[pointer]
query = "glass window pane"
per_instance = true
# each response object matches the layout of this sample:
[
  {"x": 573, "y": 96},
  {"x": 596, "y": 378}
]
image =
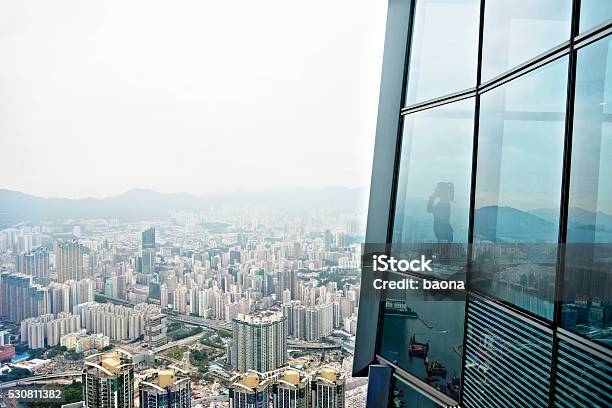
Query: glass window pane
[
  {"x": 516, "y": 31},
  {"x": 507, "y": 360},
  {"x": 587, "y": 307},
  {"x": 404, "y": 396},
  {"x": 583, "y": 377},
  {"x": 444, "y": 49},
  {"x": 433, "y": 197},
  {"x": 518, "y": 188},
  {"x": 594, "y": 13},
  {"x": 422, "y": 332}
]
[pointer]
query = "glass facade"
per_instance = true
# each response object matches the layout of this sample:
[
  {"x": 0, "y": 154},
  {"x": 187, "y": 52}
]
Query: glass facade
[
  {"x": 433, "y": 198},
  {"x": 582, "y": 377},
  {"x": 422, "y": 333},
  {"x": 507, "y": 360},
  {"x": 444, "y": 52},
  {"x": 594, "y": 13},
  {"x": 516, "y": 31},
  {"x": 502, "y": 162},
  {"x": 518, "y": 188}
]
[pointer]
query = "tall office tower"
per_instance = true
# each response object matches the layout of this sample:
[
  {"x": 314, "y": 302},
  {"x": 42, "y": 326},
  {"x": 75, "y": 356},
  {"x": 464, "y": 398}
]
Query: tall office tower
[
  {"x": 148, "y": 251},
  {"x": 148, "y": 261},
  {"x": 108, "y": 380},
  {"x": 155, "y": 328},
  {"x": 249, "y": 391},
  {"x": 329, "y": 388},
  {"x": 21, "y": 299},
  {"x": 36, "y": 264},
  {"x": 291, "y": 389},
  {"x": 259, "y": 342},
  {"x": 464, "y": 139},
  {"x": 166, "y": 388},
  {"x": 69, "y": 261},
  {"x": 148, "y": 238}
]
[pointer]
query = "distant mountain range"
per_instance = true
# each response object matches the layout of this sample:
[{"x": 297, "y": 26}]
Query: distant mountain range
[{"x": 143, "y": 204}]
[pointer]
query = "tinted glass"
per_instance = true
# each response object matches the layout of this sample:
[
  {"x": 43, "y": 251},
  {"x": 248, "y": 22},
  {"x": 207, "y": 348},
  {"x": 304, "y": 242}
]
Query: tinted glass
[
  {"x": 444, "y": 49},
  {"x": 588, "y": 268},
  {"x": 518, "y": 188},
  {"x": 422, "y": 332},
  {"x": 583, "y": 377},
  {"x": 405, "y": 396},
  {"x": 433, "y": 197},
  {"x": 516, "y": 31},
  {"x": 507, "y": 360},
  {"x": 594, "y": 13}
]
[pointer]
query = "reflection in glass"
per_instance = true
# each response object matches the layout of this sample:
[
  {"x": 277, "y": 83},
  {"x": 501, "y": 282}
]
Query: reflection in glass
[
  {"x": 444, "y": 49},
  {"x": 433, "y": 196},
  {"x": 516, "y": 31},
  {"x": 594, "y": 13},
  {"x": 518, "y": 188},
  {"x": 405, "y": 396},
  {"x": 422, "y": 332},
  {"x": 587, "y": 307}
]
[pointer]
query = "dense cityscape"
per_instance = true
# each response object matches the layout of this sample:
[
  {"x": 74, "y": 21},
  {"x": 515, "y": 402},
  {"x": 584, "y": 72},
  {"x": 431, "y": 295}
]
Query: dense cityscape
[{"x": 221, "y": 307}]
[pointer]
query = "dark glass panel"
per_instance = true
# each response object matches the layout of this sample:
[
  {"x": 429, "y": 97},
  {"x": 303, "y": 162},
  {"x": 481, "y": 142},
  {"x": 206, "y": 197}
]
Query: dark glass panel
[
  {"x": 422, "y": 332},
  {"x": 587, "y": 308},
  {"x": 507, "y": 360},
  {"x": 404, "y": 396},
  {"x": 518, "y": 188},
  {"x": 435, "y": 170}
]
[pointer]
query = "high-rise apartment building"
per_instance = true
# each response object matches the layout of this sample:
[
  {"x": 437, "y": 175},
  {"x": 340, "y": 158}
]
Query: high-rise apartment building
[
  {"x": 493, "y": 151},
  {"x": 121, "y": 322},
  {"x": 47, "y": 330},
  {"x": 308, "y": 323},
  {"x": 68, "y": 261},
  {"x": 21, "y": 299},
  {"x": 288, "y": 388},
  {"x": 328, "y": 388},
  {"x": 165, "y": 388},
  {"x": 108, "y": 380},
  {"x": 259, "y": 342},
  {"x": 291, "y": 389},
  {"x": 250, "y": 390},
  {"x": 36, "y": 264},
  {"x": 155, "y": 329}
]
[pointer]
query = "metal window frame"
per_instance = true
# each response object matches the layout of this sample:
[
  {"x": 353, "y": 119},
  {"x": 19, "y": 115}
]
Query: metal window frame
[{"x": 385, "y": 174}]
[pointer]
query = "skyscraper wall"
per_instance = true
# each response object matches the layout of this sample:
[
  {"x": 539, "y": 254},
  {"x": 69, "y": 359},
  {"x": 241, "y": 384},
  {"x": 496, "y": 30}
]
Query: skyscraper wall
[{"x": 68, "y": 261}]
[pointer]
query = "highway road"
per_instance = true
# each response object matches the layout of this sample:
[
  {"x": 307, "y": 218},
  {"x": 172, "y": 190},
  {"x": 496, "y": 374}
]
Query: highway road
[{"x": 35, "y": 378}]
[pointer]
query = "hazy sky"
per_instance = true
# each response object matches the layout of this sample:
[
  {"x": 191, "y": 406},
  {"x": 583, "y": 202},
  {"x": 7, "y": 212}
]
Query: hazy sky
[{"x": 194, "y": 96}]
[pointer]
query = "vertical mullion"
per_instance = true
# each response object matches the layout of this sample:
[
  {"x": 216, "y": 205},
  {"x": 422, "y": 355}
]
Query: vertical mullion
[
  {"x": 400, "y": 129},
  {"x": 472, "y": 192},
  {"x": 564, "y": 200}
]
